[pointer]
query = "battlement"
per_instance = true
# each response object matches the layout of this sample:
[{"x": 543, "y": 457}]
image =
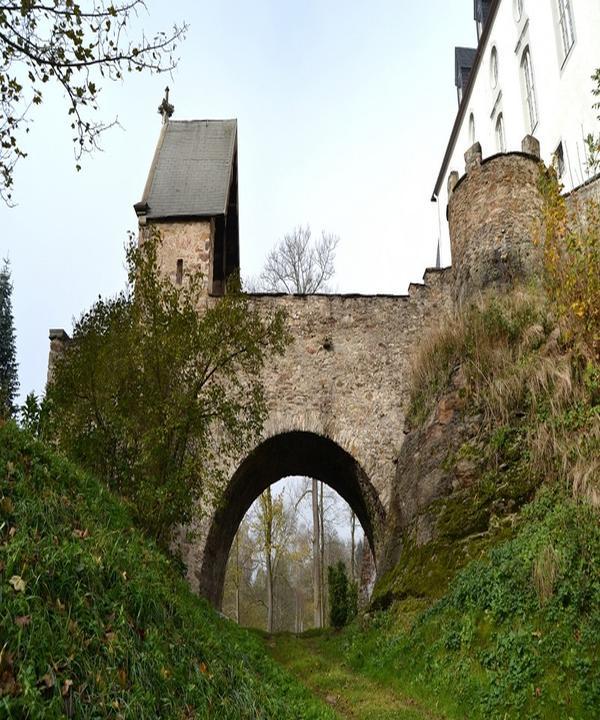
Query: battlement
[{"x": 492, "y": 212}]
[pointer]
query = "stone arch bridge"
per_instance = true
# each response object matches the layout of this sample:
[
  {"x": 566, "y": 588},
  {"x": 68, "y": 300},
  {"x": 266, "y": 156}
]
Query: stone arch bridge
[{"x": 337, "y": 398}]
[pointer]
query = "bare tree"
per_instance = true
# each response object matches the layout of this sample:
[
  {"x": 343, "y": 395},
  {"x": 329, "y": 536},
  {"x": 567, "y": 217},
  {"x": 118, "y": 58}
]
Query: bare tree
[
  {"x": 298, "y": 265},
  {"x": 317, "y": 585},
  {"x": 77, "y": 46}
]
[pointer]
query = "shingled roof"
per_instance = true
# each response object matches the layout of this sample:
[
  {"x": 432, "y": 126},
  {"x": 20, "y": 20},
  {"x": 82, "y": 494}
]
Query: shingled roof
[{"x": 192, "y": 170}]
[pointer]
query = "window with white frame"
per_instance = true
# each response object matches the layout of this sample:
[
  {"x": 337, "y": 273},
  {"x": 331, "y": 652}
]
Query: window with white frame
[
  {"x": 500, "y": 137},
  {"x": 494, "y": 68},
  {"x": 529, "y": 89},
  {"x": 565, "y": 22},
  {"x": 472, "y": 128}
]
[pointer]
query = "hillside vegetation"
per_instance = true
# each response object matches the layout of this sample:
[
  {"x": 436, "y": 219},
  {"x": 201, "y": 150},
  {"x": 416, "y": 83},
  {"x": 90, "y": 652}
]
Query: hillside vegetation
[
  {"x": 496, "y": 613},
  {"x": 490, "y": 607},
  {"x": 96, "y": 623}
]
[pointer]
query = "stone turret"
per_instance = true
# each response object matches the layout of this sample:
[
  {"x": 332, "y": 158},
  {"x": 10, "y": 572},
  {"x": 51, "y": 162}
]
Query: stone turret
[{"x": 492, "y": 212}]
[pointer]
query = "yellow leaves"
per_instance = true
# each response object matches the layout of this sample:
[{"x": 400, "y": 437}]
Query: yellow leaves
[
  {"x": 570, "y": 240},
  {"x": 166, "y": 673},
  {"x": 17, "y": 583},
  {"x": 122, "y": 676},
  {"x": 81, "y": 534},
  {"x": 579, "y": 308},
  {"x": 203, "y": 669}
]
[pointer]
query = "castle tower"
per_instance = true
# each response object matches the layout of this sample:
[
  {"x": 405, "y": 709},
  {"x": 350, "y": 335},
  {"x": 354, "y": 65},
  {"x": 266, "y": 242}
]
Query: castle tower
[
  {"x": 492, "y": 213},
  {"x": 191, "y": 197}
]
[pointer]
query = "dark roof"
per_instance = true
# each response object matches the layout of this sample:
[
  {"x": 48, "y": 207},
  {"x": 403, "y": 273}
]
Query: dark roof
[
  {"x": 482, "y": 10},
  {"x": 464, "y": 103},
  {"x": 192, "y": 169},
  {"x": 463, "y": 62}
]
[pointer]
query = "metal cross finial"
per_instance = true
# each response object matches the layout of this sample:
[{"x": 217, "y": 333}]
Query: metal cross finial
[{"x": 165, "y": 108}]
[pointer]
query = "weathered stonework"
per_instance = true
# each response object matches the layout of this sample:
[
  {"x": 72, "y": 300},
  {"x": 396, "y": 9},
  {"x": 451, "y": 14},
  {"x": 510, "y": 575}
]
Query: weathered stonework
[
  {"x": 343, "y": 380},
  {"x": 58, "y": 343},
  {"x": 189, "y": 241},
  {"x": 337, "y": 398},
  {"x": 492, "y": 213}
]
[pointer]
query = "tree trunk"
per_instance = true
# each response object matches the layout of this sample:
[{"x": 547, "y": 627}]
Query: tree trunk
[
  {"x": 269, "y": 556},
  {"x": 322, "y": 560},
  {"x": 237, "y": 578},
  {"x": 316, "y": 556},
  {"x": 353, "y": 546}
]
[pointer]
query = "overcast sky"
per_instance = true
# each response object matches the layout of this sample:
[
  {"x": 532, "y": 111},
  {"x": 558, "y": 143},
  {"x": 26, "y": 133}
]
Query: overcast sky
[{"x": 344, "y": 112}]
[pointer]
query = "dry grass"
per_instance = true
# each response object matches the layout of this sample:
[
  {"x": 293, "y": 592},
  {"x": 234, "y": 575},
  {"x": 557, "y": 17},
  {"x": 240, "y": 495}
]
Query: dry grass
[
  {"x": 546, "y": 568},
  {"x": 516, "y": 369}
]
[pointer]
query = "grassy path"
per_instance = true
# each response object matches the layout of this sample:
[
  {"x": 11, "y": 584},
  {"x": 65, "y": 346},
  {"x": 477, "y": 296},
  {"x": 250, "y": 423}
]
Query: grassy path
[{"x": 316, "y": 662}]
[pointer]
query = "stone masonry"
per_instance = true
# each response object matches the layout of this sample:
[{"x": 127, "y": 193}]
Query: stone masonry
[{"x": 337, "y": 398}]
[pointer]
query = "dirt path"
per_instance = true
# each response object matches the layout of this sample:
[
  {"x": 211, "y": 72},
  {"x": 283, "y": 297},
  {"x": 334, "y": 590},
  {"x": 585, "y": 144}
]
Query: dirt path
[{"x": 350, "y": 694}]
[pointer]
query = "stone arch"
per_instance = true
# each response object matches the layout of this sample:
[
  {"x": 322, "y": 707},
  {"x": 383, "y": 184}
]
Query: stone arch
[{"x": 287, "y": 453}]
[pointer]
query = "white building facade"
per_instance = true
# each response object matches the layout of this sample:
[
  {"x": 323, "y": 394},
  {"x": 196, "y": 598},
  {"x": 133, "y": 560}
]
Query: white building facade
[{"x": 531, "y": 73}]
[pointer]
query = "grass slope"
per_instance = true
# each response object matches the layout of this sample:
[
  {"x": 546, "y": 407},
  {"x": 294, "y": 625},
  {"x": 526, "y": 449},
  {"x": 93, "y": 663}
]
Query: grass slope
[
  {"x": 499, "y": 615},
  {"x": 491, "y": 647},
  {"x": 96, "y": 623}
]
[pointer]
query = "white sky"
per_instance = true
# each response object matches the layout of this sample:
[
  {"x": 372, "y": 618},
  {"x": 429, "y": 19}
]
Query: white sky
[{"x": 344, "y": 112}]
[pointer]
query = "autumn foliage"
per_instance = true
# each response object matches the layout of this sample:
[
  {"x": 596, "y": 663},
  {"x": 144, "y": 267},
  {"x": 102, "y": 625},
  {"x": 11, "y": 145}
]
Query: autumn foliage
[{"x": 570, "y": 241}]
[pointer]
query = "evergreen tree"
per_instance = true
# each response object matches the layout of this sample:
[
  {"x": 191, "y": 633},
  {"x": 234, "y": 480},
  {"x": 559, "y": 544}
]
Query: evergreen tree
[
  {"x": 340, "y": 600},
  {"x": 9, "y": 381}
]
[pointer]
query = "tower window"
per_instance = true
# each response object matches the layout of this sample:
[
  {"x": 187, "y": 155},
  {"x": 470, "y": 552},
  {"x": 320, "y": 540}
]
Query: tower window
[
  {"x": 565, "y": 21},
  {"x": 559, "y": 155},
  {"x": 494, "y": 68},
  {"x": 179, "y": 272},
  {"x": 529, "y": 89},
  {"x": 500, "y": 137},
  {"x": 472, "y": 128}
]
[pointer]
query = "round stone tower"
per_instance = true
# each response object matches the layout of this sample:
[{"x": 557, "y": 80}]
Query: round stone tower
[{"x": 492, "y": 213}]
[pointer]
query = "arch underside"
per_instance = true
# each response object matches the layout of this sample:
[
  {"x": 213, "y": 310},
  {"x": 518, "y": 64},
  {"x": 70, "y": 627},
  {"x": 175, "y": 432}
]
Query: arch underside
[{"x": 291, "y": 453}]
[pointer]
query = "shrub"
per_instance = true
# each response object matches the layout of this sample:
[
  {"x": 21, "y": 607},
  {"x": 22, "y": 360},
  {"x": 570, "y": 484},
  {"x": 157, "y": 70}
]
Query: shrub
[
  {"x": 342, "y": 600},
  {"x": 153, "y": 394},
  {"x": 570, "y": 241}
]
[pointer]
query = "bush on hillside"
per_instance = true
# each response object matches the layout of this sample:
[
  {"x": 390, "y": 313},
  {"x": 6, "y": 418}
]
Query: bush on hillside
[{"x": 154, "y": 394}]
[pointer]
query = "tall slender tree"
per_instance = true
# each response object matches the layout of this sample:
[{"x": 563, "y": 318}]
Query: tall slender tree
[
  {"x": 300, "y": 264},
  {"x": 9, "y": 379}
]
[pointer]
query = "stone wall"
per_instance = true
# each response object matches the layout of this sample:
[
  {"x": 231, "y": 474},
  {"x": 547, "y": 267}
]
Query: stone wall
[
  {"x": 187, "y": 240},
  {"x": 345, "y": 375},
  {"x": 492, "y": 213},
  {"x": 345, "y": 379},
  {"x": 590, "y": 190}
]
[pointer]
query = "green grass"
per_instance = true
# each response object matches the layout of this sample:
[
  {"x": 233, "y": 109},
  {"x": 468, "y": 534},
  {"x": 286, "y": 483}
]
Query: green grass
[
  {"x": 95, "y": 622},
  {"x": 318, "y": 659},
  {"x": 499, "y": 645},
  {"x": 493, "y": 647}
]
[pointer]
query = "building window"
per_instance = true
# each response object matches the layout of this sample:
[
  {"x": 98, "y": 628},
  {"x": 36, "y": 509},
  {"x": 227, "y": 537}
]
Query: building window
[
  {"x": 559, "y": 158},
  {"x": 565, "y": 21},
  {"x": 529, "y": 89},
  {"x": 500, "y": 137},
  {"x": 179, "y": 273},
  {"x": 472, "y": 129},
  {"x": 494, "y": 68},
  {"x": 518, "y": 9}
]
